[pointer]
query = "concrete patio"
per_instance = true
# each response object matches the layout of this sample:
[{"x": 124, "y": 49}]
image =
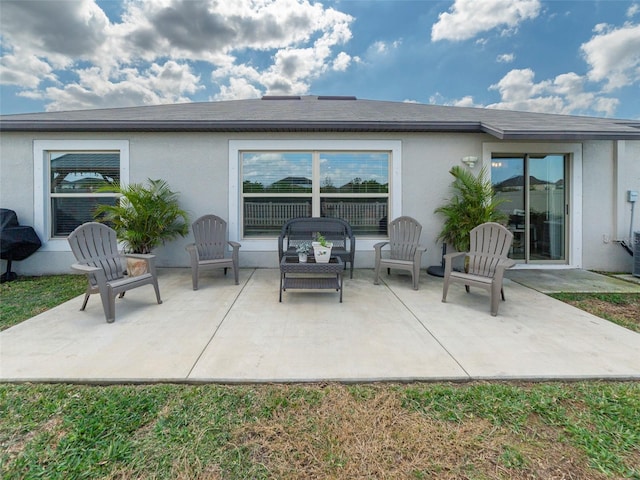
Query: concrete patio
[{"x": 229, "y": 333}]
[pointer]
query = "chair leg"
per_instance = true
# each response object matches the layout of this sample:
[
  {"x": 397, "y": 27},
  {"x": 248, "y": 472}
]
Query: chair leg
[
  {"x": 236, "y": 274},
  {"x": 86, "y": 299},
  {"x": 502, "y": 294},
  {"x": 376, "y": 278},
  {"x": 445, "y": 290},
  {"x": 157, "y": 289},
  {"x": 194, "y": 278}
]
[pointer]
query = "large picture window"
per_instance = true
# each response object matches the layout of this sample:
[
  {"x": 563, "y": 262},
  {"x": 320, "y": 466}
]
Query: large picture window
[{"x": 279, "y": 185}]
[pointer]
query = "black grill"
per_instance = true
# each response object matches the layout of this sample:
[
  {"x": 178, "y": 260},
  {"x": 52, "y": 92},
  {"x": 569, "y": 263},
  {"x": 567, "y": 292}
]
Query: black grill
[{"x": 17, "y": 242}]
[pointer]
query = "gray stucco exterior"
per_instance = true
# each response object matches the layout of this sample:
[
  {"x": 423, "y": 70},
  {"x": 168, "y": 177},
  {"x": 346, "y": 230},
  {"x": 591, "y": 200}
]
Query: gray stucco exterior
[{"x": 196, "y": 154}]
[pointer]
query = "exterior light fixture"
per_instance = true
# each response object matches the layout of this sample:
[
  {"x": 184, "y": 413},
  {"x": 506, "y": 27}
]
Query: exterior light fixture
[{"x": 470, "y": 161}]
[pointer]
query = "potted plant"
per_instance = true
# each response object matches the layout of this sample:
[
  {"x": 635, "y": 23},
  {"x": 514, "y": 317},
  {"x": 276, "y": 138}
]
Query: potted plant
[
  {"x": 303, "y": 249},
  {"x": 473, "y": 203},
  {"x": 146, "y": 216},
  {"x": 322, "y": 249}
]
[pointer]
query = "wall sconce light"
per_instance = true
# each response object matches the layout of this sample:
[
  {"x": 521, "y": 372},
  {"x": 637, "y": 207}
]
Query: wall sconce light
[{"x": 470, "y": 161}]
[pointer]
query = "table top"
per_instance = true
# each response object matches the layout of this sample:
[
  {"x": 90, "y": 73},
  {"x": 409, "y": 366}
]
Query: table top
[{"x": 291, "y": 264}]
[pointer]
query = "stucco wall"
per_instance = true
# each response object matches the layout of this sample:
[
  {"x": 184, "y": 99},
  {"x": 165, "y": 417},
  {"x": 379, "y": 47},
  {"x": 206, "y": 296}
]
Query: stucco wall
[
  {"x": 197, "y": 166},
  {"x": 610, "y": 169}
]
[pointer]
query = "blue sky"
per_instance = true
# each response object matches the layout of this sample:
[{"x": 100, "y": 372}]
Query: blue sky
[{"x": 567, "y": 57}]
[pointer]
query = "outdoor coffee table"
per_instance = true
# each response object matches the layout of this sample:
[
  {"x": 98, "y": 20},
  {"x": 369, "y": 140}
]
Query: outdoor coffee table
[{"x": 325, "y": 275}]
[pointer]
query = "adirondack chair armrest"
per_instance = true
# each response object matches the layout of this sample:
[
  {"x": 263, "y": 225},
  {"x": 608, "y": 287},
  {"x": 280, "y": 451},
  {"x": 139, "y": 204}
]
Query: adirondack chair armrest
[
  {"x": 97, "y": 272},
  {"x": 236, "y": 249},
  {"x": 451, "y": 256},
  {"x": 419, "y": 251},
  {"x": 378, "y": 248},
  {"x": 448, "y": 261},
  {"x": 193, "y": 252},
  {"x": 87, "y": 269},
  {"x": 379, "y": 245},
  {"x": 504, "y": 265}
]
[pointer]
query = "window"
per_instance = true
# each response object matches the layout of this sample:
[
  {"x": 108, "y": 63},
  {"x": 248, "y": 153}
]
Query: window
[
  {"x": 79, "y": 182},
  {"x": 271, "y": 181},
  {"x": 280, "y": 185},
  {"x": 69, "y": 181}
]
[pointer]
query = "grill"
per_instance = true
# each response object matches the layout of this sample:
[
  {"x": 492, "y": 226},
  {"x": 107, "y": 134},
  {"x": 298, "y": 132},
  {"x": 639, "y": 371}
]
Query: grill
[{"x": 17, "y": 242}]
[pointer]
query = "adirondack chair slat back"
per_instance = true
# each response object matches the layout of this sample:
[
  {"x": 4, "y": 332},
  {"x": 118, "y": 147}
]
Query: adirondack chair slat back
[
  {"x": 490, "y": 243},
  {"x": 404, "y": 238},
  {"x": 210, "y": 232},
  {"x": 96, "y": 245}
]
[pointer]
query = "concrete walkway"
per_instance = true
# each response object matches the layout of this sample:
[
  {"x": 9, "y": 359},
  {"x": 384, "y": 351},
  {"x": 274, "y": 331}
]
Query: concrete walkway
[{"x": 229, "y": 333}]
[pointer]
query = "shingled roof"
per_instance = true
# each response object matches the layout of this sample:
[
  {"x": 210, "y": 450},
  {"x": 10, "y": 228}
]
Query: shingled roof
[{"x": 325, "y": 114}]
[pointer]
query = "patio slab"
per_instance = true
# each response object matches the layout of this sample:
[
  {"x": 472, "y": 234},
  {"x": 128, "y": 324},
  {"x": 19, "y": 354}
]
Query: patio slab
[{"x": 389, "y": 332}]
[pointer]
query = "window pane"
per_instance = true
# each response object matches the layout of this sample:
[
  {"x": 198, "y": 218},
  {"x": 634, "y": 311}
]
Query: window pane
[
  {"x": 507, "y": 176},
  {"x": 276, "y": 172},
  {"x": 264, "y": 216},
  {"x": 83, "y": 172},
  {"x": 367, "y": 216},
  {"x": 354, "y": 172},
  {"x": 70, "y": 212}
]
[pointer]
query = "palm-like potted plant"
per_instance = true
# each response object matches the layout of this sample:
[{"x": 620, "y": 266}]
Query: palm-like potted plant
[
  {"x": 146, "y": 215},
  {"x": 472, "y": 203}
]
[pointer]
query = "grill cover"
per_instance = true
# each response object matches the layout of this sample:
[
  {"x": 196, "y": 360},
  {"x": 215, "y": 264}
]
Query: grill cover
[{"x": 17, "y": 242}]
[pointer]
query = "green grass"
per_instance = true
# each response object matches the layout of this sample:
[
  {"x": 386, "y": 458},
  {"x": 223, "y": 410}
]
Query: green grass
[
  {"x": 26, "y": 297},
  {"x": 620, "y": 308},
  {"x": 478, "y": 430},
  {"x": 238, "y": 432}
]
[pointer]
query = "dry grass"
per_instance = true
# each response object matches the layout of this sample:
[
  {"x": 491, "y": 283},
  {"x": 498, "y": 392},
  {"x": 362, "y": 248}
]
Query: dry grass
[{"x": 347, "y": 437}]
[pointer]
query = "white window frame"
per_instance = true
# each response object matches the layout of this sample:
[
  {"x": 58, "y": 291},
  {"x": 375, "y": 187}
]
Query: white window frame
[
  {"x": 574, "y": 150},
  {"x": 42, "y": 189},
  {"x": 235, "y": 182}
]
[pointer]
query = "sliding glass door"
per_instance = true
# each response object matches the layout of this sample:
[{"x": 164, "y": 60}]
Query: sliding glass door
[{"x": 535, "y": 200}]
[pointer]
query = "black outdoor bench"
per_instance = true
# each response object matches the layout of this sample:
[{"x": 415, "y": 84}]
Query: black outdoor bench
[{"x": 305, "y": 229}]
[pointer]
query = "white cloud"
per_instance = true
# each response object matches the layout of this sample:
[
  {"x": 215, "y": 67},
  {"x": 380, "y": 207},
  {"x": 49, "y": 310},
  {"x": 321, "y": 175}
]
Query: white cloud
[
  {"x": 506, "y": 58},
  {"x": 27, "y": 71},
  {"x": 564, "y": 94},
  {"x": 633, "y": 10},
  {"x": 613, "y": 55},
  {"x": 342, "y": 62},
  {"x": 467, "y": 18},
  {"x": 164, "y": 83},
  {"x": 238, "y": 88},
  {"x": 148, "y": 57}
]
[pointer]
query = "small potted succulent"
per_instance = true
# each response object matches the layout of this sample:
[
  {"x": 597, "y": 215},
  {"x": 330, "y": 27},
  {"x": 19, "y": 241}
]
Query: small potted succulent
[
  {"x": 303, "y": 249},
  {"x": 322, "y": 249}
]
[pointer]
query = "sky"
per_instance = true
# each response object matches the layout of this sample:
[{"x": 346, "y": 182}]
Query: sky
[{"x": 578, "y": 57}]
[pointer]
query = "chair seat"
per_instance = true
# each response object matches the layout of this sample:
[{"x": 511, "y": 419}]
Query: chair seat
[{"x": 472, "y": 278}]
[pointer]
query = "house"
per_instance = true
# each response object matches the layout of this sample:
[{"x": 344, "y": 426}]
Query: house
[{"x": 257, "y": 162}]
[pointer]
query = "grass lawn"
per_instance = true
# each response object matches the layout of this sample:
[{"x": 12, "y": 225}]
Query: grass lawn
[{"x": 581, "y": 430}]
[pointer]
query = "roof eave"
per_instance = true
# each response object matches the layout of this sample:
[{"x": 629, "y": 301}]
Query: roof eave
[{"x": 307, "y": 126}]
